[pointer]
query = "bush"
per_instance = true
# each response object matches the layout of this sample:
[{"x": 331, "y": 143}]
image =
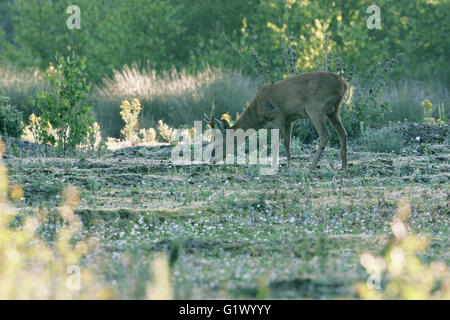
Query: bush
[
  {"x": 10, "y": 119},
  {"x": 387, "y": 139},
  {"x": 365, "y": 102},
  {"x": 130, "y": 114},
  {"x": 66, "y": 111},
  {"x": 177, "y": 98}
]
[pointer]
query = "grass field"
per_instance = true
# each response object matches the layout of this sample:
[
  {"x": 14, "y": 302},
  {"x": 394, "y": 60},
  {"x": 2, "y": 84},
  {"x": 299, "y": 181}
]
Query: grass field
[{"x": 241, "y": 235}]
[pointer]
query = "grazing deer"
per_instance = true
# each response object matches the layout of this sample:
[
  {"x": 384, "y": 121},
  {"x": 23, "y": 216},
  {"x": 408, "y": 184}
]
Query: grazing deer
[{"x": 315, "y": 95}]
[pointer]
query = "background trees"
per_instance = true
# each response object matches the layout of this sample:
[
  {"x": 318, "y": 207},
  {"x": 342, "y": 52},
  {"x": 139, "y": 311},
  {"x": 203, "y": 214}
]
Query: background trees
[{"x": 188, "y": 34}]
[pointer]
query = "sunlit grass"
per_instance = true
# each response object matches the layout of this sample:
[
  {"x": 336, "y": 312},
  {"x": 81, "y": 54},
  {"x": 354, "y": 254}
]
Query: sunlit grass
[
  {"x": 177, "y": 98},
  {"x": 21, "y": 85},
  {"x": 406, "y": 96}
]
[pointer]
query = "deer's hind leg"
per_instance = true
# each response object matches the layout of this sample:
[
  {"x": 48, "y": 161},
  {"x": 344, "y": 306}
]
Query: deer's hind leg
[
  {"x": 319, "y": 122},
  {"x": 335, "y": 120}
]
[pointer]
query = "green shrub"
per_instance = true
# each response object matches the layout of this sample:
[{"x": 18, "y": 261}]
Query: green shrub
[
  {"x": 10, "y": 119},
  {"x": 365, "y": 102},
  {"x": 387, "y": 139},
  {"x": 66, "y": 111},
  {"x": 304, "y": 130}
]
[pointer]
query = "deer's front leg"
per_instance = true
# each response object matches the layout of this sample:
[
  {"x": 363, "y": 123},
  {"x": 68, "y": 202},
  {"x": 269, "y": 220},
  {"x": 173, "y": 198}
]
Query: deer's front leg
[
  {"x": 318, "y": 120},
  {"x": 278, "y": 124},
  {"x": 275, "y": 119}
]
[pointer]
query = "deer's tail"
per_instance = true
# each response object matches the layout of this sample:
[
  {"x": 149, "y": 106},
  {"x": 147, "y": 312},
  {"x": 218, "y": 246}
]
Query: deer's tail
[{"x": 344, "y": 87}]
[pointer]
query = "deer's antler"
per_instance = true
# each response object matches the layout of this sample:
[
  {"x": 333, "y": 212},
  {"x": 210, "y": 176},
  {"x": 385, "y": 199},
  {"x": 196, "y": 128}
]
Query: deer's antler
[{"x": 210, "y": 120}]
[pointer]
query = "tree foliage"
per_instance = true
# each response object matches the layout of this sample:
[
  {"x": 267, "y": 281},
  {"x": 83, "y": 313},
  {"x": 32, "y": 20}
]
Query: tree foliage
[{"x": 189, "y": 34}]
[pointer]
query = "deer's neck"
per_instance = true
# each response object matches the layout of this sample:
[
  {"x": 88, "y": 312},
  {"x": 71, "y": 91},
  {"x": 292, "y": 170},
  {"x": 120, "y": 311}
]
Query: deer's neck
[{"x": 247, "y": 120}]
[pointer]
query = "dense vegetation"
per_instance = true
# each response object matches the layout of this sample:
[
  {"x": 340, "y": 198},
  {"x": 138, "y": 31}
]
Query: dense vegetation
[{"x": 188, "y": 34}]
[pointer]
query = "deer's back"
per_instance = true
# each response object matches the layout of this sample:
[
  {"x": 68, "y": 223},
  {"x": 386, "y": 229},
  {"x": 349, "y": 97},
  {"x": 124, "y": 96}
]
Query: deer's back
[{"x": 314, "y": 91}]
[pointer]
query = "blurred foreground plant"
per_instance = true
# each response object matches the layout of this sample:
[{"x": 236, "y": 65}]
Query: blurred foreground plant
[
  {"x": 407, "y": 277},
  {"x": 160, "y": 288},
  {"x": 32, "y": 269}
]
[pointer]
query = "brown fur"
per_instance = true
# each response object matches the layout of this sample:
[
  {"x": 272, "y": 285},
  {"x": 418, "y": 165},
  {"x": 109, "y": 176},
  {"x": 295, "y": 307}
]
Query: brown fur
[{"x": 314, "y": 95}]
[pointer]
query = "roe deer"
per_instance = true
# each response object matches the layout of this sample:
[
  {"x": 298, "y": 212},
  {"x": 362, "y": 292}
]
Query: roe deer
[{"x": 314, "y": 95}]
